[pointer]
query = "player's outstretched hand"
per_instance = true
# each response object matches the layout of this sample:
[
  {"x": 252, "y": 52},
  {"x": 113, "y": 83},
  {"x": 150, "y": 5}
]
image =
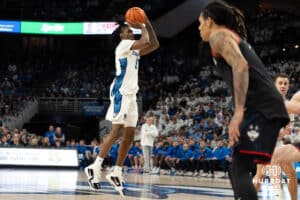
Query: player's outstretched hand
[{"x": 136, "y": 25}]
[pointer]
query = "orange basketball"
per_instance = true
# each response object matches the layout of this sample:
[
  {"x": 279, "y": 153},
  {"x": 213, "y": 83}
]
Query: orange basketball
[{"x": 135, "y": 14}]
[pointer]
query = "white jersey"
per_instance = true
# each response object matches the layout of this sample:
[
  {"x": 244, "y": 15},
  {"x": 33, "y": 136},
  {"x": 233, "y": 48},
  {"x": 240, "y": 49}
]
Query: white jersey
[{"x": 127, "y": 65}]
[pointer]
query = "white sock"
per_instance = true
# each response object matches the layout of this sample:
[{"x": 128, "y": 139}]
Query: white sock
[
  {"x": 118, "y": 170},
  {"x": 98, "y": 162}
]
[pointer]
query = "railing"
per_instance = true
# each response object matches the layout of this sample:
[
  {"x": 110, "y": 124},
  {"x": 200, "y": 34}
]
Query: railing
[
  {"x": 70, "y": 105},
  {"x": 63, "y": 104},
  {"x": 29, "y": 110}
]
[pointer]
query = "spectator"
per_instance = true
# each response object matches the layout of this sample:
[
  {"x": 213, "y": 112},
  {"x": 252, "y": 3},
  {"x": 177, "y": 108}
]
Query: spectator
[
  {"x": 92, "y": 151},
  {"x": 81, "y": 150},
  {"x": 3, "y": 141},
  {"x": 219, "y": 158},
  {"x": 148, "y": 134},
  {"x": 172, "y": 155},
  {"x": 46, "y": 142},
  {"x": 50, "y": 134},
  {"x": 16, "y": 140},
  {"x": 159, "y": 153},
  {"x": 202, "y": 158},
  {"x": 184, "y": 161},
  {"x": 59, "y": 136}
]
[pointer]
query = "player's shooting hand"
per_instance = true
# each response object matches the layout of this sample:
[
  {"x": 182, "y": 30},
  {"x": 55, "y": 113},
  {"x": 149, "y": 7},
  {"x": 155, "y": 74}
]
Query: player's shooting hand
[
  {"x": 136, "y": 25},
  {"x": 233, "y": 128}
]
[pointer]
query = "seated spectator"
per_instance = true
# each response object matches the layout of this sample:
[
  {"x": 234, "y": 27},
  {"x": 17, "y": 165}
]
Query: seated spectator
[
  {"x": 82, "y": 150},
  {"x": 183, "y": 163},
  {"x": 138, "y": 157},
  {"x": 202, "y": 158},
  {"x": 16, "y": 140},
  {"x": 3, "y": 141},
  {"x": 135, "y": 155},
  {"x": 34, "y": 141},
  {"x": 59, "y": 136},
  {"x": 159, "y": 153},
  {"x": 57, "y": 144},
  {"x": 172, "y": 155},
  {"x": 50, "y": 134},
  {"x": 219, "y": 158},
  {"x": 131, "y": 153},
  {"x": 92, "y": 152},
  {"x": 111, "y": 157},
  {"x": 46, "y": 142}
]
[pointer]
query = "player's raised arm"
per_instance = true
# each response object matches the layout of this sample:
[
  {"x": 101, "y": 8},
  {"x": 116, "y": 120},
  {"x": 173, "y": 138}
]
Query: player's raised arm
[
  {"x": 144, "y": 41},
  {"x": 154, "y": 43}
]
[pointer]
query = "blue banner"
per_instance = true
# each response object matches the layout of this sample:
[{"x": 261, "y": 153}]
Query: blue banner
[
  {"x": 297, "y": 167},
  {"x": 93, "y": 109},
  {"x": 10, "y": 26}
]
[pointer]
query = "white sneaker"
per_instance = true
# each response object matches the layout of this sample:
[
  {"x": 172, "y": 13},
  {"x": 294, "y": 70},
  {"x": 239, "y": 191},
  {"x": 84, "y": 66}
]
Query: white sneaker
[
  {"x": 211, "y": 176},
  {"x": 157, "y": 171},
  {"x": 204, "y": 175},
  {"x": 179, "y": 173},
  {"x": 94, "y": 176},
  {"x": 189, "y": 173},
  {"x": 154, "y": 170},
  {"x": 116, "y": 181},
  {"x": 195, "y": 173}
]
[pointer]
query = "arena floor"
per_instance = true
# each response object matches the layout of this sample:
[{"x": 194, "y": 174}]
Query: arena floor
[{"x": 18, "y": 184}]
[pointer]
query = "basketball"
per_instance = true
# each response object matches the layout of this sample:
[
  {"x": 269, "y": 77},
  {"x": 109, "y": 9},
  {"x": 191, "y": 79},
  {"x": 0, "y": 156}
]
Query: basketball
[{"x": 135, "y": 14}]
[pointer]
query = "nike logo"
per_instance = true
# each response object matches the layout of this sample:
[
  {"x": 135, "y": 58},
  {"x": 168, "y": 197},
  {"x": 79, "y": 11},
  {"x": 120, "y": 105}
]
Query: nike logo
[
  {"x": 91, "y": 173},
  {"x": 116, "y": 181}
]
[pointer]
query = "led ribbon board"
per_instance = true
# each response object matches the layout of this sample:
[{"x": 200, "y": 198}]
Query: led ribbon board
[{"x": 60, "y": 28}]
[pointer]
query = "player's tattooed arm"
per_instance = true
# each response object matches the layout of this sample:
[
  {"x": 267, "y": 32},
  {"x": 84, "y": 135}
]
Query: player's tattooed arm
[{"x": 223, "y": 43}]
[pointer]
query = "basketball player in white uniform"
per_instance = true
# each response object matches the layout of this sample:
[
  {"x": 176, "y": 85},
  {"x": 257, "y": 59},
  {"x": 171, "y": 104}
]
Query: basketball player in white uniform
[
  {"x": 123, "y": 112},
  {"x": 282, "y": 84}
]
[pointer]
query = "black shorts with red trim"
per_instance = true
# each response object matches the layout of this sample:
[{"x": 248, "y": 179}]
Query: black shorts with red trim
[{"x": 258, "y": 136}]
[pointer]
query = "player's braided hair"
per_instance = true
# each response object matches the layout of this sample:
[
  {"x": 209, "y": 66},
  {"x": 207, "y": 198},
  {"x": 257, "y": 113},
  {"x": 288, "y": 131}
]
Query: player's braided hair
[{"x": 224, "y": 14}]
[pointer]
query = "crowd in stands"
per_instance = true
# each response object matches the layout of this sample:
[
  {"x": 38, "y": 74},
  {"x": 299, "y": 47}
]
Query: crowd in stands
[
  {"x": 17, "y": 105},
  {"x": 269, "y": 26},
  {"x": 84, "y": 80},
  {"x": 79, "y": 10}
]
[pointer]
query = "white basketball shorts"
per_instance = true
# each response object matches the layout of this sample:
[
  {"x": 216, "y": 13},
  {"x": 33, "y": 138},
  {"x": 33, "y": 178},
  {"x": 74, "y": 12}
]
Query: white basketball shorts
[{"x": 123, "y": 110}]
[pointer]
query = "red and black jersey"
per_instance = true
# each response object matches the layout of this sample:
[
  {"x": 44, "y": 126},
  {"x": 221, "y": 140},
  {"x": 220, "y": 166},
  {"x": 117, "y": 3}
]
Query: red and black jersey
[{"x": 262, "y": 95}]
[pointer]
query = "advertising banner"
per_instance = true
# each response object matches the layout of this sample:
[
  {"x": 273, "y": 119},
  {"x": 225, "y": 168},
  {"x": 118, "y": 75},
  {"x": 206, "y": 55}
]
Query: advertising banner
[
  {"x": 93, "y": 109},
  {"x": 51, "y": 28},
  {"x": 99, "y": 28},
  {"x": 38, "y": 157},
  {"x": 10, "y": 26}
]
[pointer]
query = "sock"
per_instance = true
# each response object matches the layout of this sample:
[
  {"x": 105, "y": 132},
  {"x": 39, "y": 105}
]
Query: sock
[
  {"x": 118, "y": 170},
  {"x": 98, "y": 162}
]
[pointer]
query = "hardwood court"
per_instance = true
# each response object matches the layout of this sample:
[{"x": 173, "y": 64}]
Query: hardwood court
[{"x": 18, "y": 184}]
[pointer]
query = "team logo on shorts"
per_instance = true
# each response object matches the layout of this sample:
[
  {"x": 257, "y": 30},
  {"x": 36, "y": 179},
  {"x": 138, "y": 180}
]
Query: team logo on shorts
[
  {"x": 125, "y": 116},
  {"x": 253, "y": 133}
]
